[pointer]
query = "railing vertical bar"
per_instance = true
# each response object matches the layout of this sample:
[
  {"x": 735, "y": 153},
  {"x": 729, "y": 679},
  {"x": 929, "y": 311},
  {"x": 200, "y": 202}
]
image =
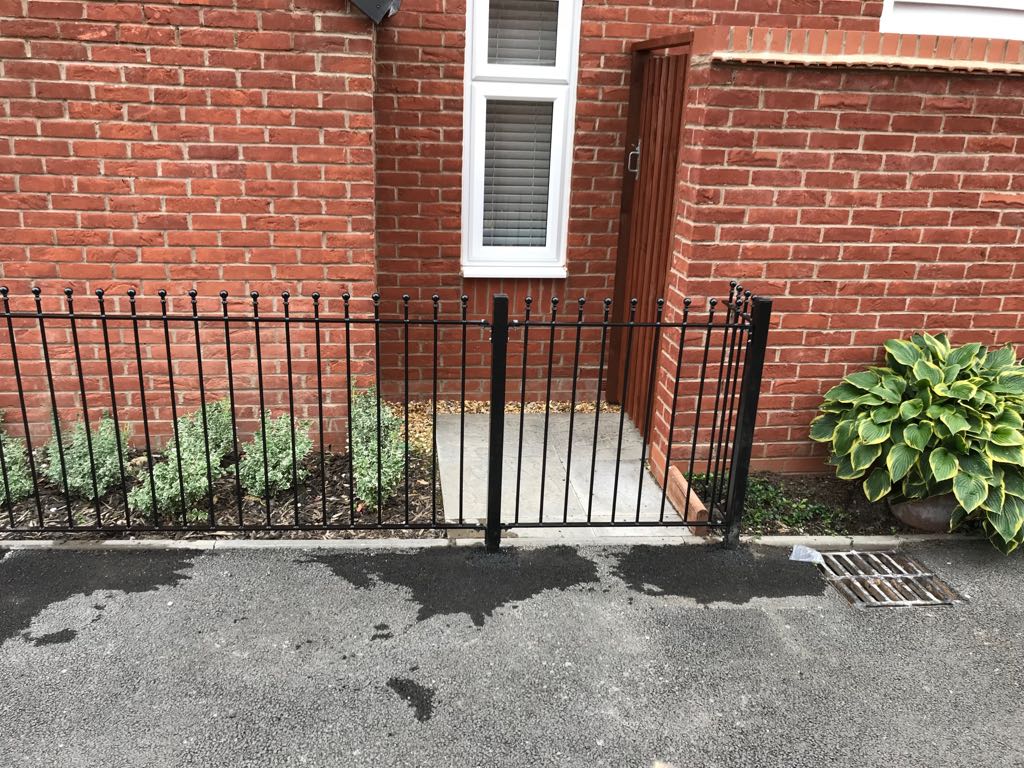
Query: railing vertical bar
[
  {"x": 113, "y": 406},
  {"x": 69, "y": 294},
  {"x": 730, "y": 402},
  {"x": 675, "y": 409},
  {"x": 145, "y": 410},
  {"x": 346, "y": 297},
  {"x": 522, "y": 406},
  {"x": 405, "y": 366},
  {"x": 174, "y": 405},
  {"x": 572, "y": 410},
  {"x": 320, "y": 408},
  {"x": 597, "y": 409},
  {"x": 715, "y": 415},
  {"x": 53, "y": 404},
  {"x": 376, "y": 369},
  {"x": 8, "y": 501},
  {"x": 433, "y": 419},
  {"x": 623, "y": 399},
  {"x": 232, "y": 405},
  {"x": 210, "y": 519},
  {"x": 21, "y": 401},
  {"x": 652, "y": 377},
  {"x": 255, "y": 296},
  {"x": 462, "y": 414},
  {"x": 547, "y": 404},
  {"x": 725, "y": 383},
  {"x": 285, "y": 297},
  {"x": 708, "y": 329}
]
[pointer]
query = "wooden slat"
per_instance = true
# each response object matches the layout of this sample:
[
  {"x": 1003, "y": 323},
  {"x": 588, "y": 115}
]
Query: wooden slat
[{"x": 646, "y": 237}]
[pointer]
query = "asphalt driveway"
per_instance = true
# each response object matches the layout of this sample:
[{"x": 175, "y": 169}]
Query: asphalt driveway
[{"x": 450, "y": 657}]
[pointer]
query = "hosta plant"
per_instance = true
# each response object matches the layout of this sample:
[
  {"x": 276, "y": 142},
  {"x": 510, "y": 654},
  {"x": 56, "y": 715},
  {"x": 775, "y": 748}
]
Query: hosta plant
[{"x": 935, "y": 420}]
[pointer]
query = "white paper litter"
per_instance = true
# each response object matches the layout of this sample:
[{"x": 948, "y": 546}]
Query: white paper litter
[{"x": 804, "y": 554}]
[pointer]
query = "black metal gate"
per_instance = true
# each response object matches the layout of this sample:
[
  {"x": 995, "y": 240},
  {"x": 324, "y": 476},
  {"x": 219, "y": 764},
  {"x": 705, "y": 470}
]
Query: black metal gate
[{"x": 157, "y": 414}]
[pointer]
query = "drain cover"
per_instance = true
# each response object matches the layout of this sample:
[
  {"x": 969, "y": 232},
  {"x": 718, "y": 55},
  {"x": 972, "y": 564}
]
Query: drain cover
[{"x": 885, "y": 579}]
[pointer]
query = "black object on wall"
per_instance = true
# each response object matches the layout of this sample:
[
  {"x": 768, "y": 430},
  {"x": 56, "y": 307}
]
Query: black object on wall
[{"x": 378, "y": 10}]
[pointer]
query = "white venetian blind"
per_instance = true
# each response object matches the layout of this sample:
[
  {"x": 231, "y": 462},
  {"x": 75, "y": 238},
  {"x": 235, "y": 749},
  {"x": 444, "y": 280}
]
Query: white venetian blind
[
  {"x": 523, "y": 32},
  {"x": 517, "y": 172}
]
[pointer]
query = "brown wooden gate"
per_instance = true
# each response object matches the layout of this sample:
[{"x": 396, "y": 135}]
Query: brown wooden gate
[{"x": 657, "y": 95}]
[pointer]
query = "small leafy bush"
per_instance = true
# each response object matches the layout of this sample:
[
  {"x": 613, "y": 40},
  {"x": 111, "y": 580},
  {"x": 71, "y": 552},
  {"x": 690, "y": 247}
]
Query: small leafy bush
[
  {"x": 193, "y": 478},
  {"x": 79, "y": 468},
  {"x": 364, "y": 449},
  {"x": 935, "y": 420},
  {"x": 18, "y": 483},
  {"x": 279, "y": 456}
]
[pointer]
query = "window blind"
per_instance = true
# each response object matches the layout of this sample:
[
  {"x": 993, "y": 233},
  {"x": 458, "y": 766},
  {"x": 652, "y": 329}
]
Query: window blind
[
  {"x": 523, "y": 32},
  {"x": 517, "y": 172}
]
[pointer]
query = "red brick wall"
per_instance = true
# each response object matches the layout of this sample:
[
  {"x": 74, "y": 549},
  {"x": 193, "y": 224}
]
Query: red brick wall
[
  {"x": 869, "y": 203},
  {"x": 221, "y": 144},
  {"x": 418, "y": 106}
]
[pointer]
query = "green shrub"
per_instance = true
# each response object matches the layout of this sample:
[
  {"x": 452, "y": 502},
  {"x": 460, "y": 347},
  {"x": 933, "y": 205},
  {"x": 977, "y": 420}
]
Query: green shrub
[
  {"x": 79, "y": 468},
  {"x": 364, "y": 449},
  {"x": 935, "y": 420},
  {"x": 18, "y": 483},
  {"x": 194, "y": 464},
  {"x": 279, "y": 456}
]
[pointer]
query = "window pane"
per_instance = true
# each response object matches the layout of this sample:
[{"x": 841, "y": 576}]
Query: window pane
[
  {"x": 517, "y": 170},
  {"x": 523, "y": 32}
]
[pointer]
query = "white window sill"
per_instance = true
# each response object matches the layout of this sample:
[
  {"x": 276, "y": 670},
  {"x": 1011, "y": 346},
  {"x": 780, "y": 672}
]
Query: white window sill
[{"x": 514, "y": 271}]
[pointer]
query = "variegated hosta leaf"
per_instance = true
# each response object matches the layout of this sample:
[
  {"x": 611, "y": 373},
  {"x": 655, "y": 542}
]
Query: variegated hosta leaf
[
  {"x": 944, "y": 465},
  {"x": 903, "y": 352},
  {"x": 824, "y": 427},
  {"x": 900, "y": 459},
  {"x": 871, "y": 433},
  {"x": 863, "y": 455},
  {"x": 877, "y": 485},
  {"x": 917, "y": 435},
  {"x": 970, "y": 491}
]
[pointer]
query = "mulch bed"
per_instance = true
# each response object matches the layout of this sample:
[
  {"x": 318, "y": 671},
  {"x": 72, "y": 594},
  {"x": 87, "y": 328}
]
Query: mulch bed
[
  {"x": 423, "y": 508},
  {"x": 849, "y": 512}
]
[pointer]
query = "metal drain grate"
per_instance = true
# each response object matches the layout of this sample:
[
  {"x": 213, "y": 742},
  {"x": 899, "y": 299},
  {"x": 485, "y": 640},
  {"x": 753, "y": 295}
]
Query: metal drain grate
[{"x": 885, "y": 579}]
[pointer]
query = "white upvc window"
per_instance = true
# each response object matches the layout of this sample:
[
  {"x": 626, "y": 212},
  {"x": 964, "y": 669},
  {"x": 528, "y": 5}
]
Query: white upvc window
[
  {"x": 519, "y": 117},
  {"x": 999, "y": 19}
]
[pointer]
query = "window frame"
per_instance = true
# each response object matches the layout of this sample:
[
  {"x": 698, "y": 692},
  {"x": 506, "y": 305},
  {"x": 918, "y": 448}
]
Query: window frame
[
  {"x": 891, "y": 22},
  {"x": 556, "y": 84}
]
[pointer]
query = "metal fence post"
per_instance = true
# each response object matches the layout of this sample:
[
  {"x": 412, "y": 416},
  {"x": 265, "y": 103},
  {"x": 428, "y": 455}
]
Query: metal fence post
[
  {"x": 496, "y": 442},
  {"x": 743, "y": 443}
]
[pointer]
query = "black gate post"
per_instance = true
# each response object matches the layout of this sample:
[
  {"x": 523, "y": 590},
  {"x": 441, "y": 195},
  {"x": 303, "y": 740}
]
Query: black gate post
[
  {"x": 743, "y": 443},
  {"x": 496, "y": 441}
]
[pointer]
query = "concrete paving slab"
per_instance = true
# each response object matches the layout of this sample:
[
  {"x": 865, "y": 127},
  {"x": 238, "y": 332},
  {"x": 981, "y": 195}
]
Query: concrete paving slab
[{"x": 533, "y": 476}]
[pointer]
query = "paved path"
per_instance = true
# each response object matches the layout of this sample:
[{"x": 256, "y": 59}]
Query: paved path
[
  {"x": 533, "y": 657},
  {"x": 535, "y": 475}
]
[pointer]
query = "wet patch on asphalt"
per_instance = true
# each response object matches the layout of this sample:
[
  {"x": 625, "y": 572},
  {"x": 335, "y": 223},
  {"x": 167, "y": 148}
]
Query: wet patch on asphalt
[
  {"x": 34, "y": 581},
  {"x": 716, "y": 575},
  {"x": 53, "y": 638},
  {"x": 453, "y": 581},
  {"x": 417, "y": 696}
]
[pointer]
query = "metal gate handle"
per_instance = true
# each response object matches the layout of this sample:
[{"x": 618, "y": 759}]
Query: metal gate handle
[{"x": 633, "y": 160}]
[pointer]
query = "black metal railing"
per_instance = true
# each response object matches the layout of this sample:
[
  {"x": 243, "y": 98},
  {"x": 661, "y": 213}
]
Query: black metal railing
[{"x": 273, "y": 415}]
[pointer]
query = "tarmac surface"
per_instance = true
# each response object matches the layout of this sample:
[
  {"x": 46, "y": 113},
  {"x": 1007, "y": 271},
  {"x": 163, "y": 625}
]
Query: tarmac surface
[{"x": 447, "y": 656}]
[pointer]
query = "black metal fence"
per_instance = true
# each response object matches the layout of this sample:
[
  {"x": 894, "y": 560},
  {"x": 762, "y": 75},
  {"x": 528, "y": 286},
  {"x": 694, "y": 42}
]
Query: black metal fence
[{"x": 279, "y": 415}]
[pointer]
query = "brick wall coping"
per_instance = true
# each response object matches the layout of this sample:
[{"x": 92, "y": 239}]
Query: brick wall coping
[{"x": 848, "y": 48}]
